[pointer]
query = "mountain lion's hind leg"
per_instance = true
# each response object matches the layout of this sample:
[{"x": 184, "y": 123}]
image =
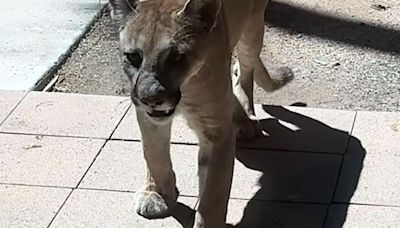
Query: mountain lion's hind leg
[{"x": 248, "y": 50}]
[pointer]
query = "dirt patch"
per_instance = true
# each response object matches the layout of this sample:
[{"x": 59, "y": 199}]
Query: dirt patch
[
  {"x": 95, "y": 66},
  {"x": 338, "y": 63}
]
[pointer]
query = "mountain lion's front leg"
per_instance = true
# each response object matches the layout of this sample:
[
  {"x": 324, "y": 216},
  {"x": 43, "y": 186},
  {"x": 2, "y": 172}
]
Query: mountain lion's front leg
[
  {"x": 159, "y": 194},
  {"x": 216, "y": 159}
]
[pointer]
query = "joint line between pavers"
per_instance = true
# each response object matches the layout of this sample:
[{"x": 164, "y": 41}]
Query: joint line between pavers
[
  {"x": 102, "y": 147},
  {"x": 120, "y": 121},
  {"x": 290, "y": 151},
  {"x": 352, "y": 126},
  {"x": 35, "y": 185},
  {"x": 13, "y": 109},
  {"x": 193, "y": 215},
  {"x": 340, "y": 169},
  {"x": 49, "y": 135},
  {"x": 281, "y": 201},
  {"x": 59, "y": 209},
  {"x": 105, "y": 190},
  {"x": 124, "y": 191},
  {"x": 342, "y": 155},
  {"x": 91, "y": 164},
  {"x": 131, "y": 192},
  {"x": 366, "y": 204},
  {"x": 239, "y": 147},
  {"x": 138, "y": 140}
]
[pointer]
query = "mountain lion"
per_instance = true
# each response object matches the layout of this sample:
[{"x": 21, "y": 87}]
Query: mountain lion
[{"x": 177, "y": 54}]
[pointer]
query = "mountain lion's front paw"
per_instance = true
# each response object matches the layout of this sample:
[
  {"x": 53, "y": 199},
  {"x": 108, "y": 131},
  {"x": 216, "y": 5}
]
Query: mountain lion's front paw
[{"x": 152, "y": 205}]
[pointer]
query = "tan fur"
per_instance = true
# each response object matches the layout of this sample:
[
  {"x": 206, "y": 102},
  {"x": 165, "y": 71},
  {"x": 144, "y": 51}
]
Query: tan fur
[{"x": 214, "y": 108}]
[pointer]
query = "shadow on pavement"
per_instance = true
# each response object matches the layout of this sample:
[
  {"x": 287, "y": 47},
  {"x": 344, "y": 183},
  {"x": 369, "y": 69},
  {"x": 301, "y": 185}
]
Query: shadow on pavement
[
  {"x": 296, "y": 189},
  {"x": 184, "y": 215},
  {"x": 352, "y": 32},
  {"x": 296, "y": 179}
]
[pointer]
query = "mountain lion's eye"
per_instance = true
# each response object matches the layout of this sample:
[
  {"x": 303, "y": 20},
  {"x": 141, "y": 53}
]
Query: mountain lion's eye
[
  {"x": 135, "y": 58},
  {"x": 175, "y": 56}
]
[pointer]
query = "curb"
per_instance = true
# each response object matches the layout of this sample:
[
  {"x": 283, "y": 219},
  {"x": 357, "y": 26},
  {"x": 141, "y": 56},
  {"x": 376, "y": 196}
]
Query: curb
[{"x": 45, "y": 81}]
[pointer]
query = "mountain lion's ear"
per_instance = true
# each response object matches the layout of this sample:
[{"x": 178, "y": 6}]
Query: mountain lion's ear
[
  {"x": 204, "y": 10},
  {"x": 121, "y": 10}
]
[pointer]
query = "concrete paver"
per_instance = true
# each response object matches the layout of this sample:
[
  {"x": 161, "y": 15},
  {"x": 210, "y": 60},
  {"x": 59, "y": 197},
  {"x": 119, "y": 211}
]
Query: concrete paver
[
  {"x": 372, "y": 161},
  {"x": 61, "y": 114},
  {"x": 379, "y": 132},
  {"x": 285, "y": 176},
  {"x": 8, "y": 101},
  {"x": 129, "y": 129},
  {"x": 121, "y": 166},
  {"x": 49, "y": 161},
  {"x": 23, "y": 206},
  {"x": 261, "y": 214},
  {"x": 91, "y": 208},
  {"x": 378, "y": 180},
  {"x": 346, "y": 216},
  {"x": 307, "y": 129},
  {"x": 34, "y": 34}
]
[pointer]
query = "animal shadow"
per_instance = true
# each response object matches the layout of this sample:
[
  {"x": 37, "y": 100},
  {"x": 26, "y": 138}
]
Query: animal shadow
[{"x": 299, "y": 188}]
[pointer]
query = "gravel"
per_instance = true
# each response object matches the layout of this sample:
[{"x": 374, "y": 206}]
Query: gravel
[{"x": 343, "y": 57}]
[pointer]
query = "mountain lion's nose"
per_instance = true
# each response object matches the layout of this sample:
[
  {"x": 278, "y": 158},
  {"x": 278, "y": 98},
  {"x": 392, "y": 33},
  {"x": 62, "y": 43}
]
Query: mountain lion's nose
[
  {"x": 152, "y": 101},
  {"x": 153, "y": 97}
]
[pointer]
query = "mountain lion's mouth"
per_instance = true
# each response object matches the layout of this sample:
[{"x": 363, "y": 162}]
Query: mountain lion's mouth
[{"x": 160, "y": 114}]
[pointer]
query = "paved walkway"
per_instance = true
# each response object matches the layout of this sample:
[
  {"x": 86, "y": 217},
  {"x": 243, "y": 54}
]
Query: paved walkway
[
  {"x": 70, "y": 160},
  {"x": 34, "y": 36}
]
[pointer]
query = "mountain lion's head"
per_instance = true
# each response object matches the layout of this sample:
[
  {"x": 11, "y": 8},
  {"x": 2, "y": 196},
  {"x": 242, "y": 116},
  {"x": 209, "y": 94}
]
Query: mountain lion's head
[{"x": 164, "y": 43}]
